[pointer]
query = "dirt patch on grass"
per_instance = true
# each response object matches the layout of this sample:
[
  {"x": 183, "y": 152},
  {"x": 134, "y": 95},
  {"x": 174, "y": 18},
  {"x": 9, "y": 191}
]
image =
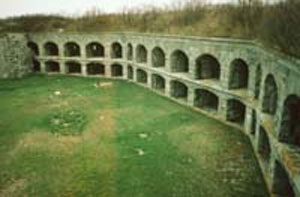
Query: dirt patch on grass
[{"x": 13, "y": 188}]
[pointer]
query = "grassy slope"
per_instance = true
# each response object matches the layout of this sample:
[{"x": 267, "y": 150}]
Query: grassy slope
[{"x": 184, "y": 152}]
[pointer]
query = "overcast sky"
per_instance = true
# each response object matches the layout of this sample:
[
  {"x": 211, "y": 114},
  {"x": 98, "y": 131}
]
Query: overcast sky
[{"x": 20, "y": 7}]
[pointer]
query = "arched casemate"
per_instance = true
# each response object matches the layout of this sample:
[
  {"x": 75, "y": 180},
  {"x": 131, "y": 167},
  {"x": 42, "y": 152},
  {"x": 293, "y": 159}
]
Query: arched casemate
[
  {"x": 94, "y": 49},
  {"x": 281, "y": 185},
  {"x": 238, "y": 74},
  {"x": 51, "y": 49},
  {"x": 207, "y": 67},
  {"x": 253, "y": 123},
  {"x": 179, "y": 62},
  {"x": 116, "y": 70},
  {"x": 236, "y": 111},
  {"x": 158, "y": 58},
  {"x": 269, "y": 103},
  {"x": 264, "y": 148},
  {"x": 71, "y": 49},
  {"x": 34, "y": 48},
  {"x": 207, "y": 100},
  {"x": 95, "y": 69},
  {"x": 258, "y": 76},
  {"x": 130, "y": 72},
  {"x": 36, "y": 66},
  {"x": 73, "y": 67},
  {"x": 141, "y": 76},
  {"x": 129, "y": 51},
  {"x": 116, "y": 50},
  {"x": 158, "y": 82},
  {"x": 179, "y": 90},
  {"x": 290, "y": 121},
  {"x": 141, "y": 54},
  {"x": 52, "y": 66}
]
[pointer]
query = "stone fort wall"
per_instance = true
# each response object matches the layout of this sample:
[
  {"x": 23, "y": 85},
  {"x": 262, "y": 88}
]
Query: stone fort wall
[
  {"x": 235, "y": 81},
  {"x": 15, "y": 56}
]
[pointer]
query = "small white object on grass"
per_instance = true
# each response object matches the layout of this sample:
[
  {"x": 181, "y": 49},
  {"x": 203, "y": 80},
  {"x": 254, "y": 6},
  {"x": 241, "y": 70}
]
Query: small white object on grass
[
  {"x": 57, "y": 93},
  {"x": 140, "y": 152},
  {"x": 143, "y": 135}
]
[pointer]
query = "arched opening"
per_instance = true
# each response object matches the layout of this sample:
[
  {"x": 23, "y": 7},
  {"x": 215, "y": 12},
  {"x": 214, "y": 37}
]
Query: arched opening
[
  {"x": 73, "y": 67},
  {"x": 207, "y": 67},
  {"x": 158, "y": 58},
  {"x": 158, "y": 82},
  {"x": 253, "y": 123},
  {"x": 141, "y": 76},
  {"x": 236, "y": 111},
  {"x": 238, "y": 77},
  {"x": 94, "y": 49},
  {"x": 290, "y": 121},
  {"x": 95, "y": 69},
  {"x": 179, "y": 90},
  {"x": 72, "y": 49},
  {"x": 36, "y": 66},
  {"x": 179, "y": 62},
  {"x": 269, "y": 104},
  {"x": 206, "y": 100},
  {"x": 52, "y": 66},
  {"x": 264, "y": 148},
  {"x": 51, "y": 49},
  {"x": 281, "y": 183},
  {"x": 129, "y": 52},
  {"x": 141, "y": 54},
  {"x": 258, "y": 76},
  {"x": 116, "y": 50},
  {"x": 117, "y": 70},
  {"x": 34, "y": 48},
  {"x": 130, "y": 72}
]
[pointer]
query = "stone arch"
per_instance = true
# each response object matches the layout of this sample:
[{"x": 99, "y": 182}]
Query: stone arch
[
  {"x": 116, "y": 50},
  {"x": 179, "y": 62},
  {"x": 141, "y": 76},
  {"x": 290, "y": 121},
  {"x": 94, "y": 49},
  {"x": 179, "y": 90},
  {"x": 253, "y": 123},
  {"x": 51, "y": 49},
  {"x": 269, "y": 104},
  {"x": 158, "y": 82},
  {"x": 36, "y": 66},
  {"x": 281, "y": 185},
  {"x": 129, "y": 51},
  {"x": 207, "y": 67},
  {"x": 95, "y": 68},
  {"x": 141, "y": 54},
  {"x": 158, "y": 58},
  {"x": 52, "y": 66},
  {"x": 264, "y": 148},
  {"x": 236, "y": 111},
  {"x": 239, "y": 74},
  {"x": 72, "y": 49},
  {"x": 116, "y": 70},
  {"x": 206, "y": 99},
  {"x": 258, "y": 77},
  {"x": 130, "y": 72},
  {"x": 73, "y": 67},
  {"x": 34, "y": 48}
]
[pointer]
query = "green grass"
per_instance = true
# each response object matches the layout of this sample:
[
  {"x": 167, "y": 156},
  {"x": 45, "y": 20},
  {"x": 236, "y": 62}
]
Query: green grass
[{"x": 121, "y": 140}]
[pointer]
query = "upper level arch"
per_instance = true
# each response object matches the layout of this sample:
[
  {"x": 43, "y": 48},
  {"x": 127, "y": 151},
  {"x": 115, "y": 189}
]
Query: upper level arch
[
  {"x": 141, "y": 54},
  {"x": 116, "y": 50},
  {"x": 269, "y": 103},
  {"x": 51, "y": 49},
  {"x": 158, "y": 57},
  {"x": 94, "y": 49},
  {"x": 238, "y": 74},
  {"x": 179, "y": 62},
  {"x": 71, "y": 49},
  {"x": 207, "y": 67},
  {"x": 129, "y": 51},
  {"x": 34, "y": 48}
]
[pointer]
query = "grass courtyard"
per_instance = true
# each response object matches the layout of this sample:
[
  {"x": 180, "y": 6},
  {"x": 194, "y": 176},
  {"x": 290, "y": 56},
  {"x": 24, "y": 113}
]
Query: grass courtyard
[{"x": 68, "y": 136}]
